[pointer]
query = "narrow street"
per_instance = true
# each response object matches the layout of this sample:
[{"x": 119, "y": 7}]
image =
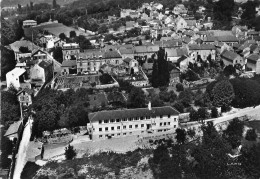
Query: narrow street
[{"x": 21, "y": 155}]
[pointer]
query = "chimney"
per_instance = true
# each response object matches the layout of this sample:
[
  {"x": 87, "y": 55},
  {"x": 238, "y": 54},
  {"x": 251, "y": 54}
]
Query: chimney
[{"x": 149, "y": 106}]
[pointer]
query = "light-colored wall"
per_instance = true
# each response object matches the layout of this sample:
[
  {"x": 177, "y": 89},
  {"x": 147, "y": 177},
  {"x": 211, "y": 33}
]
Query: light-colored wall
[
  {"x": 37, "y": 72},
  {"x": 156, "y": 123}
]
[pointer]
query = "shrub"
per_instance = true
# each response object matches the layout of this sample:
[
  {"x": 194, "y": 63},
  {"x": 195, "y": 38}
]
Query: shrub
[
  {"x": 70, "y": 152},
  {"x": 214, "y": 112},
  {"x": 179, "y": 87},
  {"x": 251, "y": 135}
]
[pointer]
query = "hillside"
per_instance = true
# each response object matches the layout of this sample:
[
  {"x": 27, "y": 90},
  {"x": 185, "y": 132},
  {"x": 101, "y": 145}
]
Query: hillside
[{"x": 7, "y": 3}]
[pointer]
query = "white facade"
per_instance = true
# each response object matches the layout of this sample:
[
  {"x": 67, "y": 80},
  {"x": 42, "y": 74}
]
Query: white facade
[
  {"x": 15, "y": 77},
  {"x": 132, "y": 122}
]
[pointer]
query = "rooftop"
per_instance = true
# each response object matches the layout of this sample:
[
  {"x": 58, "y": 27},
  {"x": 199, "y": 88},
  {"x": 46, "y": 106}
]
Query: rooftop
[
  {"x": 131, "y": 113},
  {"x": 69, "y": 63},
  {"x": 13, "y": 129}
]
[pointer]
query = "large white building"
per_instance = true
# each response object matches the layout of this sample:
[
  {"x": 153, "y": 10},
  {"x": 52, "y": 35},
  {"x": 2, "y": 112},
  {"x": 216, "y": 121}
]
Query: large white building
[{"x": 118, "y": 123}]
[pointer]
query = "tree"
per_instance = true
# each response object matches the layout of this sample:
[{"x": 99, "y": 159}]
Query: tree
[
  {"x": 181, "y": 135},
  {"x": 229, "y": 70},
  {"x": 251, "y": 135},
  {"x": 245, "y": 93},
  {"x": 191, "y": 133},
  {"x": 214, "y": 112},
  {"x": 249, "y": 10},
  {"x": 250, "y": 160},
  {"x": 136, "y": 98},
  {"x": 202, "y": 113},
  {"x": 194, "y": 115},
  {"x": 179, "y": 87},
  {"x": 102, "y": 29},
  {"x": 234, "y": 132},
  {"x": 210, "y": 155},
  {"x": 7, "y": 61},
  {"x": 62, "y": 36},
  {"x": 70, "y": 152},
  {"x": 106, "y": 79},
  {"x": 156, "y": 101},
  {"x": 160, "y": 74},
  {"x": 179, "y": 106},
  {"x": 54, "y": 4},
  {"x": 57, "y": 54},
  {"x": 222, "y": 93},
  {"x": 73, "y": 34},
  {"x": 186, "y": 97},
  {"x": 223, "y": 10},
  {"x": 83, "y": 42}
]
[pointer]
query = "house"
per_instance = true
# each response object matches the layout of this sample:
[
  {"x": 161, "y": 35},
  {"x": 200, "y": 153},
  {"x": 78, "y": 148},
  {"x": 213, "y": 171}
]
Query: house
[
  {"x": 17, "y": 78},
  {"x": 183, "y": 62},
  {"x": 173, "y": 54},
  {"x": 202, "y": 50},
  {"x": 148, "y": 67},
  {"x": 191, "y": 23},
  {"x": 70, "y": 51},
  {"x": 145, "y": 51},
  {"x": 25, "y": 96},
  {"x": 127, "y": 122},
  {"x": 41, "y": 55},
  {"x": 180, "y": 23},
  {"x": 22, "y": 43},
  {"x": 29, "y": 23},
  {"x": 126, "y": 52},
  {"x": 253, "y": 63},
  {"x": 69, "y": 67},
  {"x": 85, "y": 65},
  {"x": 111, "y": 18},
  {"x": 131, "y": 64},
  {"x": 112, "y": 57},
  {"x": 42, "y": 72},
  {"x": 180, "y": 9},
  {"x": 14, "y": 130},
  {"x": 232, "y": 58},
  {"x": 130, "y": 25}
]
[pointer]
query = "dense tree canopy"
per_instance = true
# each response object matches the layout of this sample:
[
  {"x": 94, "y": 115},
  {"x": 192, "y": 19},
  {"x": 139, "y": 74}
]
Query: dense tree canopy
[
  {"x": 160, "y": 74},
  {"x": 136, "y": 98},
  {"x": 245, "y": 92},
  {"x": 223, "y": 10},
  {"x": 222, "y": 93},
  {"x": 7, "y": 61}
]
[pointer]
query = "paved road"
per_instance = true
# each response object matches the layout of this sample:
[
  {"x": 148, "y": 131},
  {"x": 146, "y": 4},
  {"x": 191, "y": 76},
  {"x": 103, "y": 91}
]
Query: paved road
[
  {"x": 250, "y": 111},
  {"x": 21, "y": 155}
]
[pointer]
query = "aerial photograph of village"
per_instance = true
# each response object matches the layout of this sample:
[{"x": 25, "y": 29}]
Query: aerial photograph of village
[{"x": 130, "y": 89}]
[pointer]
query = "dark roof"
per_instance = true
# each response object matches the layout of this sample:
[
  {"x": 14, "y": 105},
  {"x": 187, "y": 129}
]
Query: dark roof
[
  {"x": 128, "y": 59},
  {"x": 111, "y": 54},
  {"x": 201, "y": 47},
  {"x": 27, "y": 90},
  {"x": 44, "y": 64},
  {"x": 69, "y": 63},
  {"x": 253, "y": 58},
  {"x": 229, "y": 55},
  {"x": 228, "y": 38},
  {"x": 183, "y": 57},
  {"x": 13, "y": 129},
  {"x": 131, "y": 113}
]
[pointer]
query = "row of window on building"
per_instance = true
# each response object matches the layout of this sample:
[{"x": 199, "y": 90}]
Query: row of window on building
[
  {"x": 130, "y": 119},
  {"x": 136, "y": 126},
  {"x": 128, "y": 133}
]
